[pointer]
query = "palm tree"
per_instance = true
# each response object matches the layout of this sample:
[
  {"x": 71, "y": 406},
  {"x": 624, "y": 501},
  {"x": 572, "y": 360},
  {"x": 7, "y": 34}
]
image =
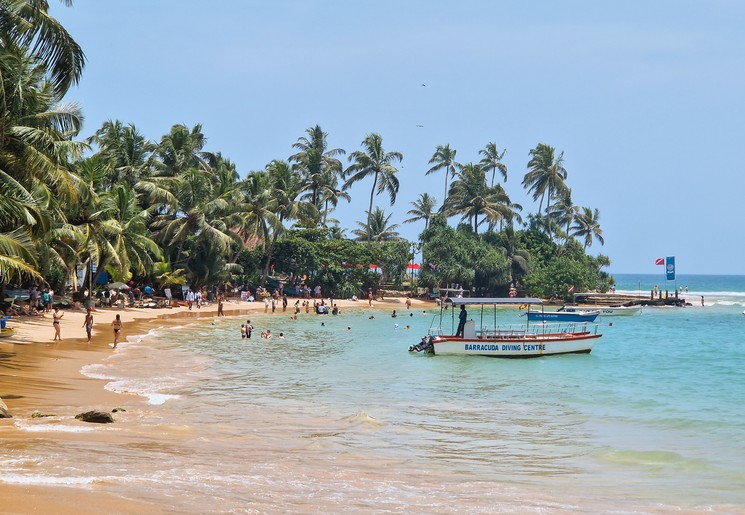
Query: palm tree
[
  {"x": 337, "y": 233},
  {"x": 375, "y": 161},
  {"x": 377, "y": 228},
  {"x": 202, "y": 216},
  {"x": 36, "y": 144},
  {"x": 505, "y": 210},
  {"x": 317, "y": 164},
  {"x": 444, "y": 157},
  {"x": 125, "y": 151},
  {"x": 27, "y": 24},
  {"x": 129, "y": 236},
  {"x": 330, "y": 195},
  {"x": 492, "y": 160},
  {"x": 259, "y": 215},
  {"x": 564, "y": 211},
  {"x": 18, "y": 212},
  {"x": 36, "y": 130},
  {"x": 471, "y": 197},
  {"x": 517, "y": 257},
  {"x": 587, "y": 226},
  {"x": 424, "y": 208},
  {"x": 546, "y": 174},
  {"x": 180, "y": 150}
]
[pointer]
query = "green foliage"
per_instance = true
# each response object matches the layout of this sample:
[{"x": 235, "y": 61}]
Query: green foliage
[
  {"x": 135, "y": 207},
  {"x": 460, "y": 256}
]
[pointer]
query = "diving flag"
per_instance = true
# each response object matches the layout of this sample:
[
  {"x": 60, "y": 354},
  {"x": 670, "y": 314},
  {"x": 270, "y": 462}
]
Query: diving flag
[
  {"x": 570, "y": 289},
  {"x": 659, "y": 261},
  {"x": 670, "y": 268}
]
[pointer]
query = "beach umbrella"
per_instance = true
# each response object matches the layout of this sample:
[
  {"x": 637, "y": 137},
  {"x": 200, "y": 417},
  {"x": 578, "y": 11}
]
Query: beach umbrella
[{"x": 118, "y": 286}]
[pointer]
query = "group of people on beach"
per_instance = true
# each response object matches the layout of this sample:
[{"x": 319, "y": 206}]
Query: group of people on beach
[{"x": 57, "y": 316}]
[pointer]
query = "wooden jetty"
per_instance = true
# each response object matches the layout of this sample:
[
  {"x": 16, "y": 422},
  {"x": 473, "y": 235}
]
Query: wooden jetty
[{"x": 618, "y": 299}]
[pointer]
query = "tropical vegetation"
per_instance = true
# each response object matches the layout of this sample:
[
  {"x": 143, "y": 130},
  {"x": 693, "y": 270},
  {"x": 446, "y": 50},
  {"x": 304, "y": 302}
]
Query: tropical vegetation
[{"x": 171, "y": 212}]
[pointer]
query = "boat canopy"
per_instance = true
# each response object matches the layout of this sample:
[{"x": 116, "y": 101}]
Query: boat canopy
[{"x": 492, "y": 301}]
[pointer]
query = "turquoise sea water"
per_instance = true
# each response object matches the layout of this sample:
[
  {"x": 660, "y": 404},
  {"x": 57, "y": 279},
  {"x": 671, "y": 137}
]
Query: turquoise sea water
[{"x": 338, "y": 416}]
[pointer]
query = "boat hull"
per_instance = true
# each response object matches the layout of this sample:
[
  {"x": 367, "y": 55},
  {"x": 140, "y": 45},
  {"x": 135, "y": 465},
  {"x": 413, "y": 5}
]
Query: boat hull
[
  {"x": 576, "y": 343},
  {"x": 607, "y": 310},
  {"x": 562, "y": 316}
]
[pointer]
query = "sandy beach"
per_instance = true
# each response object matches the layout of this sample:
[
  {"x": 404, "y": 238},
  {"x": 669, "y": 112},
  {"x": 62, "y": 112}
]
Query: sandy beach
[{"x": 40, "y": 375}]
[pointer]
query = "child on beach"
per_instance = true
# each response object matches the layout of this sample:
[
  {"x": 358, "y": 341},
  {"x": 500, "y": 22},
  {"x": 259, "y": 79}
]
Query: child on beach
[
  {"x": 88, "y": 323},
  {"x": 243, "y": 331}
]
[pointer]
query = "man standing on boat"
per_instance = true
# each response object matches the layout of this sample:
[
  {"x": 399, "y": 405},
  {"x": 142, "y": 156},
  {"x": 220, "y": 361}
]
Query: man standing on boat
[{"x": 461, "y": 320}]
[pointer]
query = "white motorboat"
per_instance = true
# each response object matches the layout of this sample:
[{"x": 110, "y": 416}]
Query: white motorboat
[{"x": 507, "y": 341}]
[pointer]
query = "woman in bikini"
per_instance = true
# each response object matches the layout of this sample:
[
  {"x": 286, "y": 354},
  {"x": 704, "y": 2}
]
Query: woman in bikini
[
  {"x": 117, "y": 325},
  {"x": 57, "y": 316}
]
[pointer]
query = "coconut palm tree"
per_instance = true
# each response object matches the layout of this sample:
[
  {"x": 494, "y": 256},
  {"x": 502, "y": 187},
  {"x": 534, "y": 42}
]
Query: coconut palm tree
[
  {"x": 424, "y": 209},
  {"x": 316, "y": 163},
  {"x": 125, "y": 151},
  {"x": 27, "y": 24},
  {"x": 564, "y": 211},
  {"x": 587, "y": 226},
  {"x": 518, "y": 259},
  {"x": 36, "y": 144},
  {"x": 259, "y": 215},
  {"x": 36, "y": 130},
  {"x": 546, "y": 174},
  {"x": 330, "y": 194},
  {"x": 129, "y": 233},
  {"x": 18, "y": 212},
  {"x": 181, "y": 150},
  {"x": 444, "y": 157},
  {"x": 374, "y": 160},
  {"x": 201, "y": 217},
  {"x": 337, "y": 233},
  {"x": 471, "y": 197},
  {"x": 377, "y": 228},
  {"x": 492, "y": 160},
  {"x": 505, "y": 212}
]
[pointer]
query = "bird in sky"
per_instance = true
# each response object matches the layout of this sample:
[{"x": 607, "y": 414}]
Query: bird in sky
[
  {"x": 424, "y": 85},
  {"x": 420, "y": 125}
]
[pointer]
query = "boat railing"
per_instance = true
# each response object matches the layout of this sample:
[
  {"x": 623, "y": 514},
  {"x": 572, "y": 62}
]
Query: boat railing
[
  {"x": 564, "y": 328},
  {"x": 434, "y": 331},
  {"x": 538, "y": 329},
  {"x": 503, "y": 331}
]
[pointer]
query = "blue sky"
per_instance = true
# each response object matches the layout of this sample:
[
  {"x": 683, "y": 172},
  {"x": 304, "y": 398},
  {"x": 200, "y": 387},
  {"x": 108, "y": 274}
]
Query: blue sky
[{"x": 644, "y": 98}]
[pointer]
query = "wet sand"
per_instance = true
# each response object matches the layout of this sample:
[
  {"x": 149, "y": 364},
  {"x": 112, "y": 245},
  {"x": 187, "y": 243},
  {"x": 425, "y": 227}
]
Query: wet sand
[{"x": 38, "y": 374}]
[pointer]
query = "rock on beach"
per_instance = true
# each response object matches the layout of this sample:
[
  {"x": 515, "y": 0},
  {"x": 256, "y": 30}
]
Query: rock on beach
[
  {"x": 96, "y": 417},
  {"x": 4, "y": 413}
]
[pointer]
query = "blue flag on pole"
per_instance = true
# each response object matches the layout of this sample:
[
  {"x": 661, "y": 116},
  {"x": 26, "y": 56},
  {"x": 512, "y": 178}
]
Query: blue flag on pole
[{"x": 670, "y": 268}]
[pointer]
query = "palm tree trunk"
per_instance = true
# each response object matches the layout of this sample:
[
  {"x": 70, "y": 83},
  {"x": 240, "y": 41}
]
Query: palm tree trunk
[
  {"x": 369, "y": 211},
  {"x": 444, "y": 198}
]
